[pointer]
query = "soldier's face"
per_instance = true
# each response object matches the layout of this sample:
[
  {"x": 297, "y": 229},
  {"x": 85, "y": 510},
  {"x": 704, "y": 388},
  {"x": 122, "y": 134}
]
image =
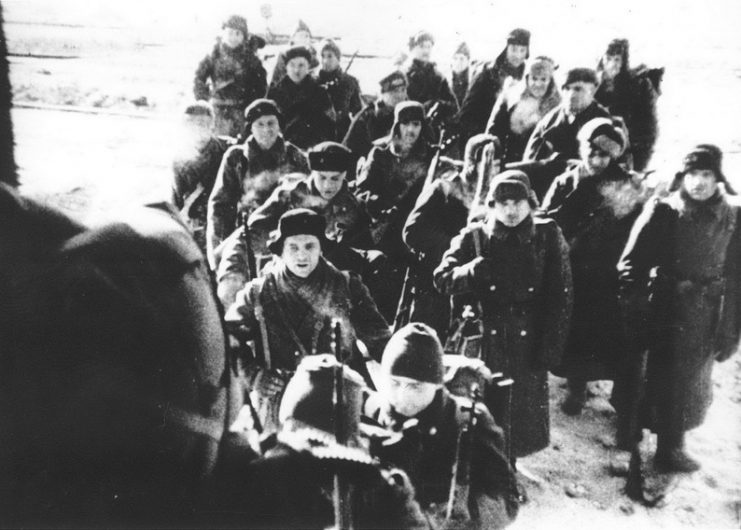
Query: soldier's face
[
  {"x": 538, "y": 84},
  {"x": 328, "y": 183},
  {"x": 409, "y": 132},
  {"x": 595, "y": 159},
  {"x": 408, "y": 396},
  {"x": 700, "y": 184},
  {"x": 232, "y": 37},
  {"x": 611, "y": 65},
  {"x": 266, "y": 129},
  {"x": 301, "y": 254},
  {"x": 423, "y": 51},
  {"x": 516, "y": 54},
  {"x": 459, "y": 63},
  {"x": 297, "y": 69},
  {"x": 578, "y": 95},
  {"x": 511, "y": 212},
  {"x": 330, "y": 62}
]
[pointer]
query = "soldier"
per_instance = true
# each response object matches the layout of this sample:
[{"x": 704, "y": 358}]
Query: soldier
[
  {"x": 317, "y": 462},
  {"x": 250, "y": 172},
  {"x": 681, "y": 274},
  {"x": 289, "y": 310},
  {"x": 325, "y": 192},
  {"x": 431, "y": 448},
  {"x": 595, "y": 204},
  {"x": 426, "y": 84},
  {"x": 301, "y": 37},
  {"x": 442, "y": 210},
  {"x": 389, "y": 184},
  {"x": 306, "y": 106},
  {"x": 630, "y": 94},
  {"x": 235, "y": 74},
  {"x": 518, "y": 268},
  {"x": 489, "y": 82},
  {"x": 343, "y": 89},
  {"x": 460, "y": 72},
  {"x": 554, "y": 137},
  {"x": 376, "y": 119},
  {"x": 195, "y": 167}
]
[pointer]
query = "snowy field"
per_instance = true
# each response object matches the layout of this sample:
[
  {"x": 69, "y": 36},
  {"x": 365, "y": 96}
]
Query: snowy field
[{"x": 93, "y": 164}]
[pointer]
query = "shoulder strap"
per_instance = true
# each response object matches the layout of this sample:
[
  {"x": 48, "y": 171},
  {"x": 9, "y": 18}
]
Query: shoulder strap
[{"x": 260, "y": 317}]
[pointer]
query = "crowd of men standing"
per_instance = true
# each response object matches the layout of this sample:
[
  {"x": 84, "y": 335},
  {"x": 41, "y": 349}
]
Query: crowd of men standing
[{"x": 380, "y": 294}]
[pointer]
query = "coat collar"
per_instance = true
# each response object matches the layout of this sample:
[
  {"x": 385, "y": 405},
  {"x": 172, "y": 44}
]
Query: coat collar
[{"x": 525, "y": 231}]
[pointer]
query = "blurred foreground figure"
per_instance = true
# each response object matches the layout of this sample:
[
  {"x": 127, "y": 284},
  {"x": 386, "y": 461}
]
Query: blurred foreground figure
[
  {"x": 315, "y": 472},
  {"x": 681, "y": 274}
]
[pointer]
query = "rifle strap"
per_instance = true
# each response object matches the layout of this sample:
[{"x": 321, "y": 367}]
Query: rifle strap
[{"x": 260, "y": 317}]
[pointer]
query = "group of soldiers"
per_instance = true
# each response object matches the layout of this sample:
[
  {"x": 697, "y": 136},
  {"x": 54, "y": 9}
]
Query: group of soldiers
[{"x": 358, "y": 333}]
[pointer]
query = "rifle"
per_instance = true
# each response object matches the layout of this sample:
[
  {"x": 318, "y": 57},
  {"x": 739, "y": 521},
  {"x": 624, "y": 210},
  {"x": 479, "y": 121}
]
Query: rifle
[
  {"x": 341, "y": 496},
  {"x": 460, "y": 480},
  {"x": 247, "y": 239}
]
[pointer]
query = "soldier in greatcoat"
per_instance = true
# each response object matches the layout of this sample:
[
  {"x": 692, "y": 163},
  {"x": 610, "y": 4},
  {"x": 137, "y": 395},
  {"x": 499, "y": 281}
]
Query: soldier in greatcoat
[
  {"x": 431, "y": 446},
  {"x": 688, "y": 246},
  {"x": 343, "y": 89},
  {"x": 250, "y": 172},
  {"x": 518, "y": 268},
  {"x": 290, "y": 310}
]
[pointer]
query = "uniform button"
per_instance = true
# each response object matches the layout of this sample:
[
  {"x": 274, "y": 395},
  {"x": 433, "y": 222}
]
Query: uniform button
[
  {"x": 296, "y": 354},
  {"x": 493, "y": 288},
  {"x": 433, "y": 431},
  {"x": 493, "y": 331},
  {"x": 530, "y": 289},
  {"x": 523, "y": 333}
]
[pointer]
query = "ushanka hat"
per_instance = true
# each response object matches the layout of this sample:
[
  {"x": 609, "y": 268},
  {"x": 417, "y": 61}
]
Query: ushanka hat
[
  {"x": 512, "y": 184},
  {"x": 392, "y": 81},
  {"x": 259, "y": 108},
  {"x": 297, "y": 51},
  {"x": 602, "y": 133},
  {"x": 331, "y": 45},
  {"x": 330, "y": 156},
  {"x": 420, "y": 37},
  {"x": 703, "y": 156},
  {"x": 414, "y": 352},
  {"x": 519, "y": 36},
  {"x": 236, "y": 22},
  {"x": 299, "y": 221},
  {"x": 584, "y": 75}
]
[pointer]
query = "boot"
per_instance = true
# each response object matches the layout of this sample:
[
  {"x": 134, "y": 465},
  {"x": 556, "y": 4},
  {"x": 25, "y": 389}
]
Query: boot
[
  {"x": 576, "y": 397},
  {"x": 671, "y": 455}
]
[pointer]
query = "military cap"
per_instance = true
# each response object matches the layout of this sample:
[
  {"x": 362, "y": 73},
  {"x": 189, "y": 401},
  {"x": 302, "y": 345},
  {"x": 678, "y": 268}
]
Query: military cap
[
  {"x": 236, "y": 22},
  {"x": 415, "y": 352},
  {"x": 519, "y": 36},
  {"x": 584, "y": 75},
  {"x": 512, "y": 184},
  {"x": 330, "y": 156},
  {"x": 299, "y": 221},
  {"x": 392, "y": 81},
  {"x": 601, "y": 132},
  {"x": 259, "y": 108},
  {"x": 298, "y": 51}
]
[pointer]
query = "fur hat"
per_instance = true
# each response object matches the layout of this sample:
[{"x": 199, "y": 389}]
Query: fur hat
[
  {"x": 602, "y": 133},
  {"x": 309, "y": 399},
  {"x": 297, "y": 51},
  {"x": 541, "y": 65},
  {"x": 330, "y": 156},
  {"x": 420, "y": 37},
  {"x": 519, "y": 36},
  {"x": 512, "y": 184},
  {"x": 200, "y": 108},
  {"x": 259, "y": 108},
  {"x": 236, "y": 22},
  {"x": 392, "y": 81},
  {"x": 331, "y": 45},
  {"x": 299, "y": 221},
  {"x": 584, "y": 75},
  {"x": 414, "y": 352},
  {"x": 703, "y": 156},
  {"x": 407, "y": 111},
  {"x": 463, "y": 49}
]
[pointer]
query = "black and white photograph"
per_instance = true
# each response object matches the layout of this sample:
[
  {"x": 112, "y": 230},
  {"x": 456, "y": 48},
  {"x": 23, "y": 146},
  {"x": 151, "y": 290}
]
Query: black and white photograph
[{"x": 282, "y": 264}]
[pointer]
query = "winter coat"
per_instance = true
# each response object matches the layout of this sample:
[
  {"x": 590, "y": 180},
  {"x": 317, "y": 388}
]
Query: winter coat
[
  {"x": 308, "y": 115},
  {"x": 522, "y": 278},
  {"x": 372, "y": 123},
  {"x": 291, "y": 487},
  {"x": 194, "y": 178},
  {"x": 428, "y": 451},
  {"x": 459, "y": 83},
  {"x": 440, "y": 213},
  {"x": 427, "y": 85},
  {"x": 344, "y": 91},
  {"x": 246, "y": 178},
  {"x": 515, "y": 115},
  {"x": 595, "y": 214},
  {"x": 632, "y": 96},
  {"x": 389, "y": 185},
  {"x": 485, "y": 88},
  {"x": 231, "y": 79},
  {"x": 695, "y": 316},
  {"x": 113, "y": 371}
]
